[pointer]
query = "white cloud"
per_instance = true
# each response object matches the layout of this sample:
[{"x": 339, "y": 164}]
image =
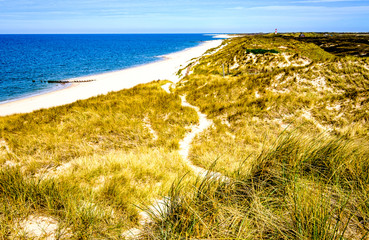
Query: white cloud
[
  {"x": 236, "y": 8},
  {"x": 315, "y": 9}
]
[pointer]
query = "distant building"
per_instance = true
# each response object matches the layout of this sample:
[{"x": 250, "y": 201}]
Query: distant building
[{"x": 302, "y": 35}]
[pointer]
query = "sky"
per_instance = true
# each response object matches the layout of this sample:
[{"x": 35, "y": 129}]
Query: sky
[{"x": 182, "y": 16}]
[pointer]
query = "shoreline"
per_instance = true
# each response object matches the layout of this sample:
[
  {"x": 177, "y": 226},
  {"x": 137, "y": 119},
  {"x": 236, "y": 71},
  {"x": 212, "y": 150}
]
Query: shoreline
[
  {"x": 57, "y": 87},
  {"x": 163, "y": 69}
]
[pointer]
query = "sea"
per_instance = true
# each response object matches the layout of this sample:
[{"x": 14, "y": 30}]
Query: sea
[{"x": 28, "y": 62}]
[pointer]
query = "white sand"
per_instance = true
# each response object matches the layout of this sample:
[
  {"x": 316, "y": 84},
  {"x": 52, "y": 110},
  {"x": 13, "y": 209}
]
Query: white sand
[{"x": 112, "y": 81}]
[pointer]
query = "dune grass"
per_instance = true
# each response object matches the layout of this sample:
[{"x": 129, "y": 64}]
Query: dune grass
[
  {"x": 88, "y": 164},
  {"x": 290, "y": 131},
  {"x": 98, "y": 125},
  {"x": 299, "y": 86},
  {"x": 301, "y": 187}
]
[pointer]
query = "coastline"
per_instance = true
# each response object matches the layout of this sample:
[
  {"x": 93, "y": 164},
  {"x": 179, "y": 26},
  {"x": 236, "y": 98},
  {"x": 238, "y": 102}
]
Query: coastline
[{"x": 164, "y": 69}]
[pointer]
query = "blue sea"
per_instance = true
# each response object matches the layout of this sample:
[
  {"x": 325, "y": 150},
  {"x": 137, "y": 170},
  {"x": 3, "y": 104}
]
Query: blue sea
[{"x": 27, "y": 62}]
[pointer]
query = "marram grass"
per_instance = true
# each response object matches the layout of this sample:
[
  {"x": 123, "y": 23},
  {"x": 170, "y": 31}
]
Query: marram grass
[
  {"x": 300, "y": 87},
  {"x": 88, "y": 164},
  {"x": 290, "y": 131},
  {"x": 302, "y": 187}
]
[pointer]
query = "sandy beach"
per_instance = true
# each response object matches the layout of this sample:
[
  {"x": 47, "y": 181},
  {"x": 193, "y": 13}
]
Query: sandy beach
[{"x": 112, "y": 81}]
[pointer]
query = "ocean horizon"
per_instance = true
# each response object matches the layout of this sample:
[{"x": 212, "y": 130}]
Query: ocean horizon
[{"x": 29, "y": 61}]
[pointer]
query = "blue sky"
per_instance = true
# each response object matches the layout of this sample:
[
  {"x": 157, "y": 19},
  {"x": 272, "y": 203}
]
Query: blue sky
[{"x": 182, "y": 16}]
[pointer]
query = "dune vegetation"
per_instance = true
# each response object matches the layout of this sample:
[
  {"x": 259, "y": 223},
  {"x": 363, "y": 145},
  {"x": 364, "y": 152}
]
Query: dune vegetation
[
  {"x": 88, "y": 165},
  {"x": 289, "y": 133},
  {"x": 290, "y": 130}
]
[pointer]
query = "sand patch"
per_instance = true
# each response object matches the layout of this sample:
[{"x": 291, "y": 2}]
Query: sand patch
[
  {"x": 319, "y": 83},
  {"x": 252, "y": 57},
  {"x": 225, "y": 121},
  {"x": 334, "y": 108},
  {"x": 10, "y": 164},
  {"x": 166, "y": 87},
  {"x": 307, "y": 115},
  {"x": 4, "y": 151},
  {"x": 279, "y": 76},
  {"x": 230, "y": 135},
  {"x": 4, "y": 146},
  {"x": 281, "y": 123},
  {"x": 234, "y": 66},
  {"x": 301, "y": 62},
  {"x": 147, "y": 125},
  {"x": 40, "y": 227},
  {"x": 287, "y": 60},
  {"x": 257, "y": 95}
]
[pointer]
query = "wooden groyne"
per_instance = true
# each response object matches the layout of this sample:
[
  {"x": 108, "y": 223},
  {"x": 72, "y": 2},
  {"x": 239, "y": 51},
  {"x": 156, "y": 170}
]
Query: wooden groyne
[{"x": 72, "y": 81}]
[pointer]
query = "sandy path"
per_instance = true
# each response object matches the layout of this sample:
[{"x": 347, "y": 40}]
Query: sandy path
[
  {"x": 185, "y": 144},
  {"x": 159, "y": 207}
]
